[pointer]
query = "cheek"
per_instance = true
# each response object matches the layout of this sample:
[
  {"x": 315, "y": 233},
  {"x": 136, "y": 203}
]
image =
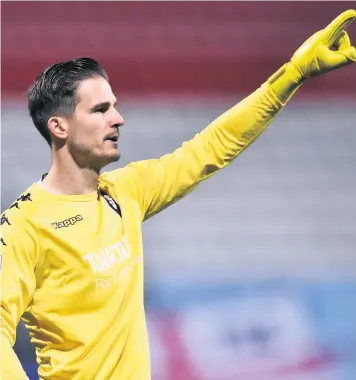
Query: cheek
[{"x": 88, "y": 131}]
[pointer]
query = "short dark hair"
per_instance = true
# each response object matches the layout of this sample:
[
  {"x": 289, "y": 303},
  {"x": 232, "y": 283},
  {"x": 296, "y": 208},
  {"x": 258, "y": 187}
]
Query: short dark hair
[{"x": 55, "y": 90}]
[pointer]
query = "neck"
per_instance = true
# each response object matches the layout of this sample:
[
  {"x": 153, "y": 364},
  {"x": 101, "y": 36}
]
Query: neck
[{"x": 67, "y": 177}]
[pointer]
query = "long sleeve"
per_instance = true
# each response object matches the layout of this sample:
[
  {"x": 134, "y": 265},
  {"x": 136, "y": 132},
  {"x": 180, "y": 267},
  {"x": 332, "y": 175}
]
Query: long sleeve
[
  {"x": 161, "y": 182},
  {"x": 18, "y": 255}
]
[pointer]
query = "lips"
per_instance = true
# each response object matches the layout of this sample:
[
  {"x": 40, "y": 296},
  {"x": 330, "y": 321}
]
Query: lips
[{"x": 113, "y": 138}]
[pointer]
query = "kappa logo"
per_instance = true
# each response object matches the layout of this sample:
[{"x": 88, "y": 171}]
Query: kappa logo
[{"x": 67, "y": 222}]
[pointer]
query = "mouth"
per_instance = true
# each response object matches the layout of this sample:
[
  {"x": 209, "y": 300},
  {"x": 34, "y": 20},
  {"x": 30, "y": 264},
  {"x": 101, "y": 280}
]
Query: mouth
[{"x": 114, "y": 139}]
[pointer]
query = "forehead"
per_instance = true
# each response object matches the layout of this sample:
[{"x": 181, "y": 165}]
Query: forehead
[{"x": 94, "y": 91}]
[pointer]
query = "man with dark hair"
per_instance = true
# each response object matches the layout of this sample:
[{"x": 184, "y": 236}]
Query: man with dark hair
[
  {"x": 55, "y": 91},
  {"x": 72, "y": 242}
]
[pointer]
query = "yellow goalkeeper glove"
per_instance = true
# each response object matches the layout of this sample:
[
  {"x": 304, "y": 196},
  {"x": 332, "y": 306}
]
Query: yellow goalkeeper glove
[{"x": 326, "y": 50}]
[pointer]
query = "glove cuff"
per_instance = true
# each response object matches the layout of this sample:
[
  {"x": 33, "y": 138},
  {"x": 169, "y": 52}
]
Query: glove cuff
[{"x": 285, "y": 82}]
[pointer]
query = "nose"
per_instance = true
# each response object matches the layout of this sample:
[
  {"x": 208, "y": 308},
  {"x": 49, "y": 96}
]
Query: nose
[{"x": 118, "y": 120}]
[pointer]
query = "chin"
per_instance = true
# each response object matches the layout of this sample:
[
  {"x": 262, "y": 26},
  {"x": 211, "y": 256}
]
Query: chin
[
  {"x": 107, "y": 159},
  {"x": 115, "y": 156}
]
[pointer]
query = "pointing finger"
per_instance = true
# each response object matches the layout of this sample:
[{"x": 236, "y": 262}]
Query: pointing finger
[{"x": 334, "y": 30}]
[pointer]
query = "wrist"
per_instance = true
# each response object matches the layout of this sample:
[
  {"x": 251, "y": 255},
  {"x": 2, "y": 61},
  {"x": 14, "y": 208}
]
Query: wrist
[{"x": 286, "y": 81}]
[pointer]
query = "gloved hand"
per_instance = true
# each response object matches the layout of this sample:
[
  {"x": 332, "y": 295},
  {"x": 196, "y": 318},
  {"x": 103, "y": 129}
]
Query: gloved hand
[{"x": 327, "y": 49}]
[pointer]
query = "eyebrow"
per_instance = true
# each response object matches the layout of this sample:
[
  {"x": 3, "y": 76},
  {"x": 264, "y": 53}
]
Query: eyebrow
[{"x": 103, "y": 105}]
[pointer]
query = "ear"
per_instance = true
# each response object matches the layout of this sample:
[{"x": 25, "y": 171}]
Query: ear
[{"x": 58, "y": 127}]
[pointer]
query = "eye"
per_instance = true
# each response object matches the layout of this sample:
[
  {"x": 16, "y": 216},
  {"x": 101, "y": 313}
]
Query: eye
[{"x": 101, "y": 110}]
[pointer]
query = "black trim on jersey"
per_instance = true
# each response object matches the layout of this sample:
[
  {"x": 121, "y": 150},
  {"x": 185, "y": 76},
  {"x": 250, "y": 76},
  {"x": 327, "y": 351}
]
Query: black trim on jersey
[
  {"x": 110, "y": 201},
  {"x": 4, "y": 219},
  {"x": 21, "y": 198}
]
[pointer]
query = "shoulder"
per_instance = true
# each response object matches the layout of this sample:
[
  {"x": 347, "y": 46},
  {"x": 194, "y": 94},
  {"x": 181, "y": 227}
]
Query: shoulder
[
  {"x": 19, "y": 219},
  {"x": 126, "y": 177}
]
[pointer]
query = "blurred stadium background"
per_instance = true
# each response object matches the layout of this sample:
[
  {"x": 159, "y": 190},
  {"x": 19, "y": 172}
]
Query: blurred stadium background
[{"x": 252, "y": 276}]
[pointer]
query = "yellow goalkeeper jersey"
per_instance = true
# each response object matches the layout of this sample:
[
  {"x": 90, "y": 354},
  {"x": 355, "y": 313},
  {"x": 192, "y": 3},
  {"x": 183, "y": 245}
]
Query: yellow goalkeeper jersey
[{"x": 72, "y": 265}]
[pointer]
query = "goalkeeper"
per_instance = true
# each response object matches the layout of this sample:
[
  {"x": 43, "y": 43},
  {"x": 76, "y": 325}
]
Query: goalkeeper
[{"x": 71, "y": 244}]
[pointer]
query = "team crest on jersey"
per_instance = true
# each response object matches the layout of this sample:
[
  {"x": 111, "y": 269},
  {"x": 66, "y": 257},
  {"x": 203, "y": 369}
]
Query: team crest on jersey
[
  {"x": 67, "y": 222},
  {"x": 111, "y": 202}
]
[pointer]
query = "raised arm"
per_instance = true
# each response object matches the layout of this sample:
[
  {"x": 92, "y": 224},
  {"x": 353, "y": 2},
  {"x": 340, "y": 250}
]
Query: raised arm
[
  {"x": 162, "y": 181},
  {"x": 18, "y": 256}
]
